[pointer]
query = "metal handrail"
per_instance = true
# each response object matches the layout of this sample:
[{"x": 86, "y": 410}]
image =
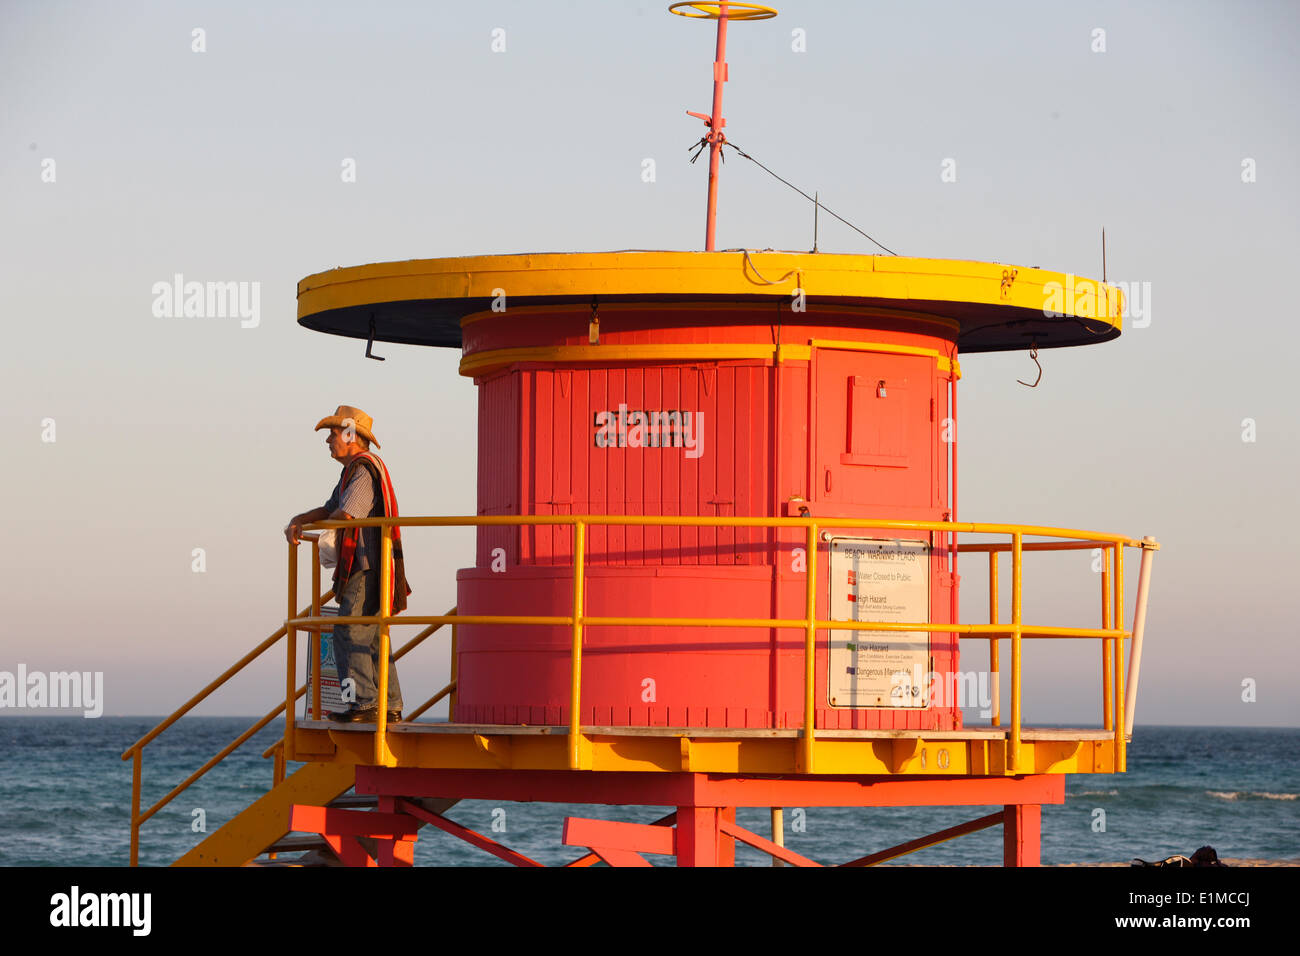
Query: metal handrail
[
  {"x": 1114, "y": 700},
  {"x": 276, "y": 749},
  {"x": 136, "y": 750},
  {"x": 203, "y": 694},
  {"x": 721, "y": 521}
]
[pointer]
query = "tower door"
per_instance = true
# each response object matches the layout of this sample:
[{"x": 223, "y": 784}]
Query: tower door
[{"x": 873, "y": 428}]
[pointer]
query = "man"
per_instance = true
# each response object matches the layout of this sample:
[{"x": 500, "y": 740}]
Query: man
[{"x": 364, "y": 490}]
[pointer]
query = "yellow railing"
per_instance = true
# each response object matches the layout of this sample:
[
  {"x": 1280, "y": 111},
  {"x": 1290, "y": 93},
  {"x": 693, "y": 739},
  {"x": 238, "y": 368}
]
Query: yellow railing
[
  {"x": 136, "y": 751},
  {"x": 1117, "y": 709},
  {"x": 1117, "y": 701}
]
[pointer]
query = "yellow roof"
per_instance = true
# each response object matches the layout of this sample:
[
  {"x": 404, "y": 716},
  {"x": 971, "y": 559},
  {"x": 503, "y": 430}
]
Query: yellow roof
[{"x": 997, "y": 307}]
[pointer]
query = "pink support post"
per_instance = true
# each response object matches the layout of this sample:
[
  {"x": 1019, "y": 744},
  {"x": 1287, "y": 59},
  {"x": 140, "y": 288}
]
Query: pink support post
[
  {"x": 716, "y": 123},
  {"x": 698, "y": 837},
  {"x": 1021, "y": 829}
]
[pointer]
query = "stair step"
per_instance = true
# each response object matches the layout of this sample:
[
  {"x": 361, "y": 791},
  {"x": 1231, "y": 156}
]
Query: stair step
[
  {"x": 355, "y": 801},
  {"x": 313, "y": 858},
  {"x": 282, "y": 863},
  {"x": 265, "y": 820},
  {"x": 293, "y": 844}
]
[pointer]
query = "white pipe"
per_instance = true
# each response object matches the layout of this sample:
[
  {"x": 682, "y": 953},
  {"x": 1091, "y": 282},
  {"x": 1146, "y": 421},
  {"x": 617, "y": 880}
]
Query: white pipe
[{"x": 1139, "y": 624}]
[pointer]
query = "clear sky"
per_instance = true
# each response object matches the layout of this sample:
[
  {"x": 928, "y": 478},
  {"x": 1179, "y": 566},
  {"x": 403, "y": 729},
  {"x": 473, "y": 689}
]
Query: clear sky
[{"x": 126, "y": 157}]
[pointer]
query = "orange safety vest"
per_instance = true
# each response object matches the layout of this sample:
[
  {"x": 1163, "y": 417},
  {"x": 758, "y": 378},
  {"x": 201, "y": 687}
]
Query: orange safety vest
[{"x": 399, "y": 589}]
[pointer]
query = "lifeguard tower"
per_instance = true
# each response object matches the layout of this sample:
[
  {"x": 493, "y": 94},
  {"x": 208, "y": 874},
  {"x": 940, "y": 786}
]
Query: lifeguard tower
[{"x": 717, "y": 556}]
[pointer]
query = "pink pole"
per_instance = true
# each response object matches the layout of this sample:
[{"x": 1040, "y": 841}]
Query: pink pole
[{"x": 716, "y": 122}]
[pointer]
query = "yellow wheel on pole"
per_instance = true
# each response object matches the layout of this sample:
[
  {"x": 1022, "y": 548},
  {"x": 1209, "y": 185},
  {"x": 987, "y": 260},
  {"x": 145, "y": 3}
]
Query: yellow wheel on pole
[{"x": 713, "y": 10}]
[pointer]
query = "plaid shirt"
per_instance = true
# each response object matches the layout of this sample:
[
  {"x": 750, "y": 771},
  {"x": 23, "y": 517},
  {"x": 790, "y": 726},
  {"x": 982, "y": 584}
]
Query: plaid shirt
[
  {"x": 384, "y": 504},
  {"x": 358, "y": 500}
]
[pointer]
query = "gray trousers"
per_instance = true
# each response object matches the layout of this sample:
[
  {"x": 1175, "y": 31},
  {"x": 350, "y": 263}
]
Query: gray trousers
[{"x": 356, "y": 646}]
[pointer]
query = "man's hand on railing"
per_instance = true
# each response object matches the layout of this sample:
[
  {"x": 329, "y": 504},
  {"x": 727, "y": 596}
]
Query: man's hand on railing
[{"x": 293, "y": 531}]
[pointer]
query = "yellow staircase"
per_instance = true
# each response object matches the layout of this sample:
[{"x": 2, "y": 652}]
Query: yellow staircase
[
  {"x": 259, "y": 835},
  {"x": 259, "y": 827},
  {"x": 263, "y": 827}
]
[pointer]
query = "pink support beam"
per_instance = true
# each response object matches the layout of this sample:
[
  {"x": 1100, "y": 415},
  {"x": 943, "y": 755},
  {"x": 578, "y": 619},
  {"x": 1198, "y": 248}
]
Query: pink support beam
[
  {"x": 371, "y": 823},
  {"x": 592, "y": 858},
  {"x": 718, "y": 790},
  {"x": 911, "y": 846},
  {"x": 616, "y": 835},
  {"x": 1021, "y": 830},
  {"x": 761, "y": 843},
  {"x": 726, "y": 841},
  {"x": 466, "y": 834}
]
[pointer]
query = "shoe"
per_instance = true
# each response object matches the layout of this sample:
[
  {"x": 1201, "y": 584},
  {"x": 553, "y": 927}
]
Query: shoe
[
  {"x": 394, "y": 716},
  {"x": 355, "y": 716}
]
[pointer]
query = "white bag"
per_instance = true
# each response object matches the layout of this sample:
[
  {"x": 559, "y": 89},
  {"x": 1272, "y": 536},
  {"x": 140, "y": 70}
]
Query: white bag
[{"x": 329, "y": 549}]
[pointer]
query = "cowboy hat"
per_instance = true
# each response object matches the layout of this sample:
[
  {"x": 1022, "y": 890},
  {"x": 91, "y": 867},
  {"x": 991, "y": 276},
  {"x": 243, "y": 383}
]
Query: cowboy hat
[{"x": 346, "y": 415}]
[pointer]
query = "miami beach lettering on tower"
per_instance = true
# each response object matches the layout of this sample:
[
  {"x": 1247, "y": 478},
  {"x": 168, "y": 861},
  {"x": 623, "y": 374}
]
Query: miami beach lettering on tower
[{"x": 657, "y": 428}]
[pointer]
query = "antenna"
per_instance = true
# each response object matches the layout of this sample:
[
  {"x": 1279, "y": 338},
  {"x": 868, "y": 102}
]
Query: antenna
[
  {"x": 722, "y": 11},
  {"x": 816, "y": 209}
]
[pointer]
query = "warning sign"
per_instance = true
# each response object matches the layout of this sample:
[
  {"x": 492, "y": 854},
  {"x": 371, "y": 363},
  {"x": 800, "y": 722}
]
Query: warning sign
[
  {"x": 884, "y": 580},
  {"x": 331, "y": 698}
]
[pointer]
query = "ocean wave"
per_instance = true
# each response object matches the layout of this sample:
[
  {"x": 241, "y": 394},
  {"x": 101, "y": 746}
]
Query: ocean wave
[
  {"x": 1250, "y": 795},
  {"x": 1094, "y": 793}
]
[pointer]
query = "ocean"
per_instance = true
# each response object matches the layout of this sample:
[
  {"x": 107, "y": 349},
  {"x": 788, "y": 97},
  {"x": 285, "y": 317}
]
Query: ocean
[{"x": 65, "y": 798}]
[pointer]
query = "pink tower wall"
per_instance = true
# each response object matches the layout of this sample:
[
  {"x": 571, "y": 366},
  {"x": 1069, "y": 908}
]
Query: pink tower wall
[{"x": 817, "y": 429}]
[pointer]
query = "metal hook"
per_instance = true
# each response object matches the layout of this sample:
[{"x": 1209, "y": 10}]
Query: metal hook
[
  {"x": 1033, "y": 354},
  {"x": 371, "y": 341}
]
